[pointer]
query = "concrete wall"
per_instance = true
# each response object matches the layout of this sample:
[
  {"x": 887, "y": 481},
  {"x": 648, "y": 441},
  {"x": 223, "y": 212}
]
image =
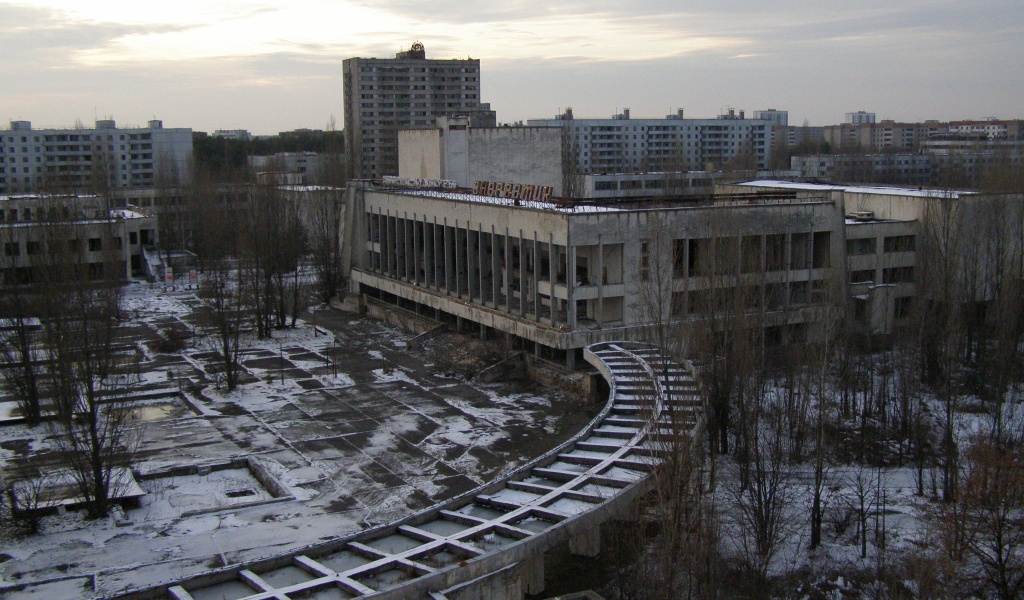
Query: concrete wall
[
  {"x": 660, "y": 230},
  {"x": 529, "y": 155},
  {"x": 419, "y": 154},
  {"x": 464, "y": 154}
]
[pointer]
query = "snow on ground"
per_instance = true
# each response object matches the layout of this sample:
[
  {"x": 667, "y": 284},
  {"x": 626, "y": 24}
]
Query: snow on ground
[{"x": 358, "y": 432}]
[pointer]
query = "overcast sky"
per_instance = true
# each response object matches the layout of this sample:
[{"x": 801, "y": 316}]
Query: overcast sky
[{"x": 275, "y": 65}]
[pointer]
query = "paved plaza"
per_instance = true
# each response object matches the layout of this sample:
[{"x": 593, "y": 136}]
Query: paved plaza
[{"x": 351, "y": 428}]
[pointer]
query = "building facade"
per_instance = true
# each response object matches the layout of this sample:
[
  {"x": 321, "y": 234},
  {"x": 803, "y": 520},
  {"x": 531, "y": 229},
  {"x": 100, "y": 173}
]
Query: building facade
[
  {"x": 97, "y": 159},
  {"x": 457, "y": 151},
  {"x": 385, "y": 95},
  {"x": 288, "y": 168},
  {"x": 887, "y": 230},
  {"x": 37, "y": 231},
  {"x": 555, "y": 277},
  {"x": 622, "y": 144},
  {"x": 776, "y": 117},
  {"x": 860, "y": 117}
]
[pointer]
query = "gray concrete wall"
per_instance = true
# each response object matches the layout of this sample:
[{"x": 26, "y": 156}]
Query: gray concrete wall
[
  {"x": 419, "y": 154},
  {"x": 528, "y": 155}
]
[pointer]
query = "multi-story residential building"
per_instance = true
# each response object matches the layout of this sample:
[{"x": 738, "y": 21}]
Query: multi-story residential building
[
  {"x": 860, "y": 117},
  {"x": 232, "y": 134},
  {"x": 776, "y": 117},
  {"x": 795, "y": 137},
  {"x": 622, "y": 144},
  {"x": 384, "y": 95},
  {"x": 992, "y": 129},
  {"x": 904, "y": 168},
  {"x": 288, "y": 168},
  {"x": 97, "y": 159},
  {"x": 881, "y": 136}
]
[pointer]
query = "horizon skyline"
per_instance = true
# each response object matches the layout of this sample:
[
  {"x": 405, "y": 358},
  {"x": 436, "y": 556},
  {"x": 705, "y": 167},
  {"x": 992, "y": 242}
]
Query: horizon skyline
[{"x": 267, "y": 66}]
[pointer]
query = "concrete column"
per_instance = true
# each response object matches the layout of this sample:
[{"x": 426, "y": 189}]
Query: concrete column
[
  {"x": 389, "y": 269},
  {"x": 390, "y": 246},
  {"x": 586, "y": 543},
  {"x": 437, "y": 245},
  {"x": 507, "y": 276},
  {"x": 788, "y": 251},
  {"x": 395, "y": 256},
  {"x": 536, "y": 278},
  {"x": 407, "y": 251},
  {"x": 460, "y": 261},
  {"x": 426, "y": 252},
  {"x": 448, "y": 259},
  {"x": 570, "y": 284},
  {"x": 481, "y": 245},
  {"x": 375, "y": 264},
  {"x": 472, "y": 276},
  {"x": 600, "y": 282},
  {"x": 522, "y": 275},
  {"x": 417, "y": 250},
  {"x": 399, "y": 247},
  {"x": 382, "y": 222},
  {"x": 553, "y": 271},
  {"x": 495, "y": 267}
]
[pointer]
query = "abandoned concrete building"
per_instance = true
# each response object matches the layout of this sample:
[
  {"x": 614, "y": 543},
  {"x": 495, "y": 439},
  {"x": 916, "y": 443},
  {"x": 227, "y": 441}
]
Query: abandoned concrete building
[
  {"x": 887, "y": 233},
  {"x": 36, "y": 230},
  {"x": 556, "y": 277}
]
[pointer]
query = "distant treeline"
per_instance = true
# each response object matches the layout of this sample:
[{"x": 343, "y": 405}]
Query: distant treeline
[{"x": 217, "y": 154}]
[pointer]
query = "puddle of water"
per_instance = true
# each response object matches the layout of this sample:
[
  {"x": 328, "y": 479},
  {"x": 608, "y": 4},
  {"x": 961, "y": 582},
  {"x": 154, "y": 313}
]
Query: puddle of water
[{"x": 157, "y": 412}]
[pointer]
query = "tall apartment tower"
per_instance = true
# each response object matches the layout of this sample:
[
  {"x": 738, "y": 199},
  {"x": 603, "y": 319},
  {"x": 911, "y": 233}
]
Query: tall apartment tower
[
  {"x": 384, "y": 95},
  {"x": 777, "y": 117},
  {"x": 860, "y": 117}
]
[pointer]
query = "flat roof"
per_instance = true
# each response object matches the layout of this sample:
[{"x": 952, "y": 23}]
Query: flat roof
[
  {"x": 858, "y": 189},
  {"x": 535, "y": 204}
]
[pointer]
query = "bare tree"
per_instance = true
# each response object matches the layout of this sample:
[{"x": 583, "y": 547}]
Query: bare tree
[
  {"x": 761, "y": 490},
  {"x": 20, "y": 504},
  {"x": 983, "y": 529},
  {"x": 93, "y": 422},
  {"x": 323, "y": 223},
  {"x": 19, "y": 324},
  {"x": 940, "y": 320},
  {"x": 323, "y": 217},
  {"x": 229, "y": 315}
]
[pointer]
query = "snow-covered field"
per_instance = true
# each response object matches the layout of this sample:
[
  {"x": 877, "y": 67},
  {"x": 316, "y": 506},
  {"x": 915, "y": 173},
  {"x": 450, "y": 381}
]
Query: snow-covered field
[{"x": 329, "y": 434}]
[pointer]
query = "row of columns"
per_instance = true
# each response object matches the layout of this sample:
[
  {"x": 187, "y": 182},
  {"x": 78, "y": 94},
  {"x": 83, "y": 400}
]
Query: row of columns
[{"x": 481, "y": 266}]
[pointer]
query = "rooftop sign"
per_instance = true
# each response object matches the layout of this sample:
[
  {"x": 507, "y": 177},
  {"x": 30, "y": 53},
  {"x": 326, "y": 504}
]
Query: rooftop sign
[
  {"x": 392, "y": 181},
  {"x": 516, "y": 191}
]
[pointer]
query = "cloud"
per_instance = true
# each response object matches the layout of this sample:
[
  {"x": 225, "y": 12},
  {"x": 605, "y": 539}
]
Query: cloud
[{"x": 266, "y": 61}]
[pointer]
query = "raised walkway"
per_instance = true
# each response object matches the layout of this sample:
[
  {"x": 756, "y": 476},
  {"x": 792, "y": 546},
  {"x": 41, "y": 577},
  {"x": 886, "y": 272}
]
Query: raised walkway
[{"x": 491, "y": 542}]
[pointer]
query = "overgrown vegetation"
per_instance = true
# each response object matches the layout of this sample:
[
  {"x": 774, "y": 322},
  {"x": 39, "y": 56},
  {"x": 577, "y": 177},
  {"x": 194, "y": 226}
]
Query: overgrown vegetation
[{"x": 786, "y": 491}]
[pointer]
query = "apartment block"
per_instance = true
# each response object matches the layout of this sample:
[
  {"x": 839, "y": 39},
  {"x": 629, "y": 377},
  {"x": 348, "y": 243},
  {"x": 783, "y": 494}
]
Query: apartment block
[
  {"x": 100, "y": 158},
  {"x": 385, "y": 95},
  {"x": 623, "y": 144}
]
